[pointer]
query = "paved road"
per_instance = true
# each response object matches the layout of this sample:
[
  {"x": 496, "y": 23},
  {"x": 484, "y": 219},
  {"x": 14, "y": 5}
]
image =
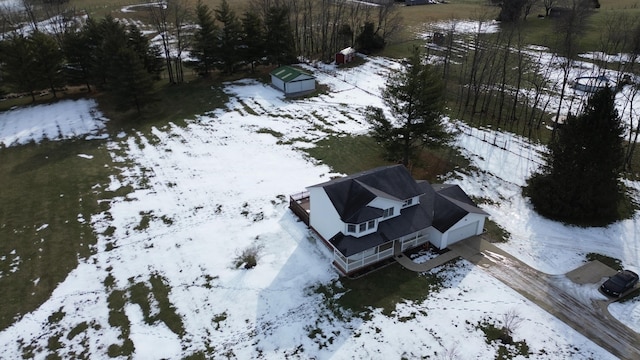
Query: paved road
[{"x": 587, "y": 316}]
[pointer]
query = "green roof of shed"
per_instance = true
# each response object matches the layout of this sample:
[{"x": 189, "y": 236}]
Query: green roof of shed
[{"x": 288, "y": 73}]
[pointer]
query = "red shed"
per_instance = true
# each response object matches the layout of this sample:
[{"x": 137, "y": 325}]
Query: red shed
[{"x": 345, "y": 55}]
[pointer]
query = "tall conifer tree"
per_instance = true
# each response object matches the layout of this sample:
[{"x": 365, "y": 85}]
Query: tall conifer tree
[
  {"x": 252, "y": 48},
  {"x": 48, "y": 59},
  {"x": 204, "y": 40},
  {"x": 229, "y": 38},
  {"x": 579, "y": 183},
  {"x": 415, "y": 97},
  {"x": 19, "y": 65},
  {"x": 279, "y": 39},
  {"x": 131, "y": 83}
]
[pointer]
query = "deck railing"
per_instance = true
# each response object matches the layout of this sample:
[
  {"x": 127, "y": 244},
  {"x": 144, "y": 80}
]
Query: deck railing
[{"x": 295, "y": 204}]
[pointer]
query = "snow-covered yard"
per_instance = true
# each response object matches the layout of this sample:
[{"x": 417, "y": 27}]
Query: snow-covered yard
[{"x": 219, "y": 185}]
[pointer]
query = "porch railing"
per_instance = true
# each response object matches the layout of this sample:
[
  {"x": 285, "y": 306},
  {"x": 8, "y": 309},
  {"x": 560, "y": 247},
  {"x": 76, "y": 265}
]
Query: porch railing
[{"x": 350, "y": 265}]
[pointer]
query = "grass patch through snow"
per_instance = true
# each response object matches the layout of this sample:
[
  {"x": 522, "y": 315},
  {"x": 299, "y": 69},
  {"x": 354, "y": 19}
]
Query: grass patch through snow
[
  {"x": 613, "y": 263},
  {"x": 48, "y": 196},
  {"x": 383, "y": 289},
  {"x": 155, "y": 304}
]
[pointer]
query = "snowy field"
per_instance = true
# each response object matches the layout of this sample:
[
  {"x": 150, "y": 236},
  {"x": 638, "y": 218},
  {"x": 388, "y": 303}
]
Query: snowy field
[
  {"x": 58, "y": 121},
  {"x": 219, "y": 185}
]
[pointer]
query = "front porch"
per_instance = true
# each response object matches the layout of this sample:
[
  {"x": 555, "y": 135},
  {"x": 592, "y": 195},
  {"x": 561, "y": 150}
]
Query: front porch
[{"x": 359, "y": 261}]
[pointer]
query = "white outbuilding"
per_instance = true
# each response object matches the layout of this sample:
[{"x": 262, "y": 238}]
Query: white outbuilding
[{"x": 293, "y": 81}]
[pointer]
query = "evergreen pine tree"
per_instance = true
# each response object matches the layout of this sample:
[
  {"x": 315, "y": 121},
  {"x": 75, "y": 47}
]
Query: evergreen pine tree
[
  {"x": 204, "y": 40},
  {"x": 230, "y": 37},
  {"x": 131, "y": 83},
  {"x": 19, "y": 65},
  {"x": 77, "y": 51},
  {"x": 48, "y": 59},
  {"x": 151, "y": 55},
  {"x": 511, "y": 10},
  {"x": 579, "y": 184},
  {"x": 369, "y": 40},
  {"x": 252, "y": 48},
  {"x": 279, "y": 40},
  {"x": 111, "y": 37},
  {"x": 415, "y": 97}
]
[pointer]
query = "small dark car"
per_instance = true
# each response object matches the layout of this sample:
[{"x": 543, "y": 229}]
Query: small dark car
[{"x": 619, "y": 283}]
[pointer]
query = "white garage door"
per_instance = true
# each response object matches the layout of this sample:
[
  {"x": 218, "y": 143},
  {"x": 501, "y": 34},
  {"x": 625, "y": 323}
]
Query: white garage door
[{"x": 462, "y": 233}]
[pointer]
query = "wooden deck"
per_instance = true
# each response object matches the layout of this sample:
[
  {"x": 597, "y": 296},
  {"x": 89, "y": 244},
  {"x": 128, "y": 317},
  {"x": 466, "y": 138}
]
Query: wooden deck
[{"x": 300, "y": 205}]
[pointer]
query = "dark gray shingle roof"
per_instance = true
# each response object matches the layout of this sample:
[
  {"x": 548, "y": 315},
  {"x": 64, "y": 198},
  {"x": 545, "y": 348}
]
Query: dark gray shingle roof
[
  {"x": 412, "y": 219},
  {"x": 451, "y": 204},
  {"x": 350, "y": 194}
]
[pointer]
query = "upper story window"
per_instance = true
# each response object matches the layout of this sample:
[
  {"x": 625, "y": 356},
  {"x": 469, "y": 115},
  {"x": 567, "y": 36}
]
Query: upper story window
[
  {"x": 365, "y": 227},
  {"x": 387, "y": 212},
  {"x": 408, "y": 202}
]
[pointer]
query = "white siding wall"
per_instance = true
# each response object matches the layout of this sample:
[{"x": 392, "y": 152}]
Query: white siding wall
[
  {"x": 299, "y": 86},
  {"x": 414, "y": 201},
  {"x": 383, "y": 204},
  {"x": 435, "y": 237},
  {"x": 277, "y": 82},
  {"x": 323, "y": 216}
]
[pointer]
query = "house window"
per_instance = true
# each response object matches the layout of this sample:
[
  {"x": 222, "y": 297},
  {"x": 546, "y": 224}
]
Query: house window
[
  {"x": 371, "y": 224},
  {"x": 369, "y": 252},
  {"x": 362, "y": 227},
  {"x": 351, "y": 228},
  {"x": 387, "y": 212},
  {"x": 407, "y": 202}
]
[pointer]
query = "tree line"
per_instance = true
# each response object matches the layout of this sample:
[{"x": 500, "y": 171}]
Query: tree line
[
  {"x": 104, "y": 54},
  {"x": 278, "y": 32},
  {"x": 108, "y": 55}
]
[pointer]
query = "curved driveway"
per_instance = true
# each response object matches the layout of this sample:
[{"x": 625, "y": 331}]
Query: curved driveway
[{"x": 589, "y": 317}]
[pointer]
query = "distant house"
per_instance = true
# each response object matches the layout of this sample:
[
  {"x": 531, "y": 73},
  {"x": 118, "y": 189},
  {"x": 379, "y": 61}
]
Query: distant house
[
  {"x": 371, "y": 216},
  {"x": 292, "y": 81},
  {"x": 345, "y": 56}
]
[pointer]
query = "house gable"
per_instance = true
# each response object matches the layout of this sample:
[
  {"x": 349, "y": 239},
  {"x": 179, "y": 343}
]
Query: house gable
[
  {"x": 365, "y": 214},
  {"x": 351, "y": 193},
  {"x": 412, "y": 220}
]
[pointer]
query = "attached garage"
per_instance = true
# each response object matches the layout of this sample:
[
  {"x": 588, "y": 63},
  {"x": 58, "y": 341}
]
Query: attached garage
[
  {"x": 455, "y": 216},
  {"x": 464, "y": 232},
  {"x": 470, "y": 225},
  {"x": 293, "y": 81}
]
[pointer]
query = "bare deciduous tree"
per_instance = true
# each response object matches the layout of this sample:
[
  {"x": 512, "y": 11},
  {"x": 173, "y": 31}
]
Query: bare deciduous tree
[
  {"x": 511, "y": 321},
  {"x": 569, "y": 28},
  {"x": 548, "y": 5},
  {"x": 159, "y": 16}
]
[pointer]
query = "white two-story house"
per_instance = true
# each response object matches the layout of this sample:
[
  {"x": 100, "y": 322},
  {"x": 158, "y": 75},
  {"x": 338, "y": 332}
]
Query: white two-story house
[{"x": 368, "y": 217}]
